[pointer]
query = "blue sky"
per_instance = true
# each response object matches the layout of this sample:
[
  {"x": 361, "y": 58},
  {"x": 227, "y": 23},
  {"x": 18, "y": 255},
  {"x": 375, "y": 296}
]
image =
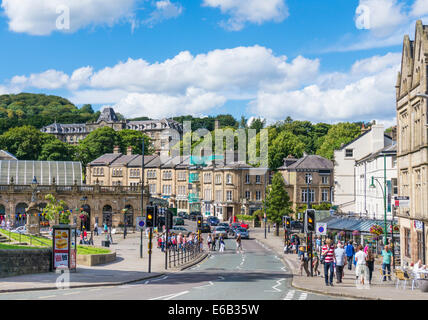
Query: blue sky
[{"x": 313, "y": 60}]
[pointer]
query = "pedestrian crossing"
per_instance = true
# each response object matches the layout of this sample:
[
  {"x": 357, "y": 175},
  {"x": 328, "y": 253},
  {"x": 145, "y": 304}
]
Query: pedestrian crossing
[{"x": 292, "y": 295}]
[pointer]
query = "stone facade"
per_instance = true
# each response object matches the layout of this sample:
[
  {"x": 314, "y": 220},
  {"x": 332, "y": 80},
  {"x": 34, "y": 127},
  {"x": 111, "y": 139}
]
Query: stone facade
[
  {"x": 160, "y": 131},
  {"x": 295, "y": 173},
  {"x": 412, "y": 153},
  {"x": 103, "y": 203},
  {"x": 222, "y": 190}
]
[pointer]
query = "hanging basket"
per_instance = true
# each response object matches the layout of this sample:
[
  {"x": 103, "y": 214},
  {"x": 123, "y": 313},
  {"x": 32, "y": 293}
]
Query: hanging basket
[
  {"x": 376, "y": 230},
  {"x": 356, "y": 233}
]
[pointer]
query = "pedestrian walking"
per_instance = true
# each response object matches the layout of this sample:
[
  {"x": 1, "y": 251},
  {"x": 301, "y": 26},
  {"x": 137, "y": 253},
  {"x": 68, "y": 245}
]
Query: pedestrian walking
[
  {"x": 327, "y": 253},
  {"x": 209, "y": 241},
  {"x": 361, "y": 268},
  {"x": 213, "y": 244},
  {"x": 304, "y": 265},
  {"x": 370, "y": 263},
  {"x": 350, "y": 252},
  {"x": 221, "y": 241},
  {"x": 238, "y": 243},
  {"x": 318, "y": 244},
  {"x": 315, "y": 264},
  {"x": 340, "y": 259},
  {"x": 386, "y": 262},
  {"x": 96, "y": 228}
]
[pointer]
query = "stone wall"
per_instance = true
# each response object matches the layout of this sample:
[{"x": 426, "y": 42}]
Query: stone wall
[
  {"x": 25, "y": 261},
  {"x": 95, "y": 259}
]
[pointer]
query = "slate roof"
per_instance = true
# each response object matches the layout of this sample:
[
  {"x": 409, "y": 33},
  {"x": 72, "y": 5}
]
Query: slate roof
[{"x": 310, "y": 162}]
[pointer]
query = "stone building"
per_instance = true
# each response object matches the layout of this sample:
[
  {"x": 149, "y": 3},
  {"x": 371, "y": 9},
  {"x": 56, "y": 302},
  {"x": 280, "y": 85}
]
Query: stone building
[
  {"x": 219, "y": 189},
  {"x": 160, "y": 131},
  {"x": 412, "y": 141},
  {"x": 21, "y": 181},
  {"x": 298, "y": 172}
]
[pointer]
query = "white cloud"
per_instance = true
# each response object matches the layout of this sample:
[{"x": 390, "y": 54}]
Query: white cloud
[
  {"x": 420, "y": 8},
  {"x": 351, "y": 96},
  {"x": 50, "y": 80},
  {"x": 164, "y": 10},
  {"x": 382, "y": 23},
  {"x": 41, "y": 17},
  {"x": 252, "y": 11},
  {"x": 202, "y": 83},
  {"x": 161, "y": 105}
]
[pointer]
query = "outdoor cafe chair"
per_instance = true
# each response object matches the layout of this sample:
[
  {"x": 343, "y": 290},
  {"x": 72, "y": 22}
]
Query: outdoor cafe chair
[{"x": 399, "y": 274}]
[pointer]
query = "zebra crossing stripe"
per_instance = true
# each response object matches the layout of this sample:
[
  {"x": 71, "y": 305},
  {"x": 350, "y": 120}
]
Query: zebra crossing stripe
[
  {"x": 303, "y": 296},
  {"x": 290, "y": 295}
]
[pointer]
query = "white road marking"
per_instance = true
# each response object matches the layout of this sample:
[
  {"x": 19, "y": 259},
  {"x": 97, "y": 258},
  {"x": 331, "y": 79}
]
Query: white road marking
[
  {"x": 170, "y": 296},
  {"x": 160, "y": 279},
  {"x": 303, "y": 296},
  {"x": 207, "y": 285},
  {"x": 46, "y": 297},
  {"x": 70, "y": 293},
  {"x": 290, "y": 295},
  {"x": 275, "y": 286}
]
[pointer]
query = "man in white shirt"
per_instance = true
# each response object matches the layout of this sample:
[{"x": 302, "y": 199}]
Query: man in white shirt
[{"x": 360, "y": 258}]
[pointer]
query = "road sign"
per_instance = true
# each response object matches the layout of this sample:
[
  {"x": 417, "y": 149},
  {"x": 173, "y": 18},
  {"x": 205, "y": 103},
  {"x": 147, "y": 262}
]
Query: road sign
[
  {"x": 321, "y": 229},
  {"x": 402, "y": 202},
  {"x": 140, "y": 223}
]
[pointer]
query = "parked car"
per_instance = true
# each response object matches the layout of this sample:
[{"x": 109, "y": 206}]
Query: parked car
[
  {"x": 220, "y": 231},
  {"x": 245, "y": 225},
  {"x": 233, "y": 226},
  {"x": 213, "y": 221},
  {"x": 179, "y": 229},
  {"x": 224, "y": 225},
  {"x": 183, "y": 215},
  {"x": 245, "y": 234},
  {"x": 205, "y": 228},
  {"x": 296, "y": 225},
  {"x": 178, "y": 221},
  {"x": 21, "y": 229},
  {"x": 194, "y": 215}
]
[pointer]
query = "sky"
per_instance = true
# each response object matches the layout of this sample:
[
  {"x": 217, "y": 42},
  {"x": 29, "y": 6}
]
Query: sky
[{"x": 322, "y": 61}]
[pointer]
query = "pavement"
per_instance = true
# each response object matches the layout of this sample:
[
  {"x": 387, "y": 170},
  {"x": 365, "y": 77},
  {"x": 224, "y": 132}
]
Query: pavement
[
  {"x": 378, "y": 290},
  {"x": 127, "y": 268}
]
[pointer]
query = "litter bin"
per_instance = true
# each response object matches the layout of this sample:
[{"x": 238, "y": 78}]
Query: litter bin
[
  {"x": 105, "y": 243},
  {"x": 423, "y": 284}
]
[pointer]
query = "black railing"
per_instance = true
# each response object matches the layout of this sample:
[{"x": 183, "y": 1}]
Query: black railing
[{"x": 181, "y": 254}]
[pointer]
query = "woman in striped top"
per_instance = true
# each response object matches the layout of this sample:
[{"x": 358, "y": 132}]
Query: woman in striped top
[{"x": 328, "y": 254}]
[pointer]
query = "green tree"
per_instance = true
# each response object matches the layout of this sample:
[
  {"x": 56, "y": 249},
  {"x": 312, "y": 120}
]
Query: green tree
[
  {"x": 257, "y": 124},
  {"x": 286, "y": 143},
  {"x": 277, "y": 201},
  {"x": 25, "y": 142},
  {"x": 341, "y": 133},
  {"x": 56, "y": 150},
  {"x": 56, "y": 210},
  {"x": 97, "y": 143},
  {"x": 132, "y": 138}
]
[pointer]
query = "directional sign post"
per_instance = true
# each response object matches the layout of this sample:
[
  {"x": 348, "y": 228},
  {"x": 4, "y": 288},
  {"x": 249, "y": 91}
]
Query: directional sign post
[{"x": 140, "y": 224}]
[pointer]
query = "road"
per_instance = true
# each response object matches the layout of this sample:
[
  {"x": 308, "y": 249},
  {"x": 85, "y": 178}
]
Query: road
[{"x": 255, "y": 274}]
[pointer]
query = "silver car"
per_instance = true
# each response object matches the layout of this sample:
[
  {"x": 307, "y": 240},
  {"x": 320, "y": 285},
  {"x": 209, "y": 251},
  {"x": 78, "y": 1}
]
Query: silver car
[{"x": 220, "y": 231}]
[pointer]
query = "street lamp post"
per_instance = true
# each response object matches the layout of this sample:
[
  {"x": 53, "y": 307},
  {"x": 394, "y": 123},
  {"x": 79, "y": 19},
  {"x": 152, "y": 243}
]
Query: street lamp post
[
  {"x": 372, "y": 185},
  {"x": 309, "y": 237},
  {"x": 142, "y": 197}
]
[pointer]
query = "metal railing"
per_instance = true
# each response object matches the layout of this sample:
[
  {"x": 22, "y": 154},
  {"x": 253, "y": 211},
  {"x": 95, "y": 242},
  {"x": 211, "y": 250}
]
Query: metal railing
[
  {"x": 23, "y": 238},
  {"x": 180, "y": 255}
]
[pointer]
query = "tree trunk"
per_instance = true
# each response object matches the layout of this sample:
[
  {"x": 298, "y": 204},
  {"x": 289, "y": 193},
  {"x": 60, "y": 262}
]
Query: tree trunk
[{"x": 277, "y": 229}]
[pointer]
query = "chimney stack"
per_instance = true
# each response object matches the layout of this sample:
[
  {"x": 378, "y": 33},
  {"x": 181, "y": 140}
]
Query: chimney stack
[
  {"x": 129, "y": 151},
  {"x": 116, "y": 149}
]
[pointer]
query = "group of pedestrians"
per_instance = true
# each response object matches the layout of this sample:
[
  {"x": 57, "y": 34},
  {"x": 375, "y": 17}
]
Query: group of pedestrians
[
  {"x": 176, "y": 241},
  {"x": 212, "y": 243}
]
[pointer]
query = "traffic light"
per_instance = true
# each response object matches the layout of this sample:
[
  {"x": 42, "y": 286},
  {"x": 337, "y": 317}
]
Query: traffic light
[
  {"x": 310, "y": 220},
  {"x": 199, "y": 222},
  {"x": 169, "y": 215},
  {"x": 150, "y": 216},
  {"x": 287, "y": 222}
]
